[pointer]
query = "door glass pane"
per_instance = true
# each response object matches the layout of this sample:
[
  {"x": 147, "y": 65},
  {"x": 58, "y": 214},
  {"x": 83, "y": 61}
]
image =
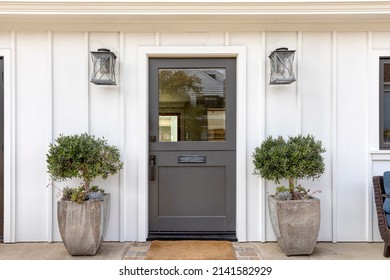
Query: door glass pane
[
  {"x": 386, "y": 105},
  {"x": 192, "y": 105}
]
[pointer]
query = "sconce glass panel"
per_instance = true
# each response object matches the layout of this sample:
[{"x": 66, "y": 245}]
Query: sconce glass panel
[
  {"x": 282, "y": 61},
  {"x": 103, "y": 71}
]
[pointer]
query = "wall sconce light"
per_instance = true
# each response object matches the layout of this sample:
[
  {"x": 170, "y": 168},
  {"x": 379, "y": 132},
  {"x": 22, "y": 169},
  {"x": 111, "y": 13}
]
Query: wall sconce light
[
  {"x": 282, "y": 61},
  {"x": 103, "y": 61}
]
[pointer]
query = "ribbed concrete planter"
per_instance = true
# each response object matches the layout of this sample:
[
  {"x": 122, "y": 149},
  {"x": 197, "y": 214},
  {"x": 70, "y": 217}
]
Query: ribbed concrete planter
[
  {"x": 296, "y": 224},
  {"x": 83, "y": 226}
]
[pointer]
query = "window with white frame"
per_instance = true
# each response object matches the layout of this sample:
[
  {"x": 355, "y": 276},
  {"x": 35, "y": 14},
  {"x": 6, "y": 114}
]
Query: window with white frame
[{"x": 384, "y": 101}]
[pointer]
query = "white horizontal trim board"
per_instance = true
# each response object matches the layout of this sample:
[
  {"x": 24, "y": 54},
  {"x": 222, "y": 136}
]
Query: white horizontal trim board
[
  {"x": 213, "y": 7},
  {"x": 226, "y": 51}
]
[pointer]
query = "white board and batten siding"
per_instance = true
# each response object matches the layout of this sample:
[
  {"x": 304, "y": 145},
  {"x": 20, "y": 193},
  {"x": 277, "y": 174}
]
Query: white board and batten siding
[{"x": 335, "y": 99}]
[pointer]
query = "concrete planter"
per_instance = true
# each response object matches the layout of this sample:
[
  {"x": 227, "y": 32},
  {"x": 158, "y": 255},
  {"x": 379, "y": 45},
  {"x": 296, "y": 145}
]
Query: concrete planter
[
  {"x": 296, "y": 224},
  {"x": 83, "y": 226}
]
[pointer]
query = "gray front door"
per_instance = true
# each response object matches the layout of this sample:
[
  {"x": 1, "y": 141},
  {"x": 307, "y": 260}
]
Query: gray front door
[{"x": 192, "y": 151}]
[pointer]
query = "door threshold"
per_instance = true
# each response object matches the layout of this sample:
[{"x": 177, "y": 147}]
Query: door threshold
[{"x": 226, "y": 236}]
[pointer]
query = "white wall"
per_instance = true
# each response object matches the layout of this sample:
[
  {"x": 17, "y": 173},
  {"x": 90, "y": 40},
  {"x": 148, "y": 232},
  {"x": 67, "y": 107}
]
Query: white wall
[
  {"x": 351, "y": 131},
  {"x": 31, "y": 127},
  {"x": 332, "y": 99},
  {"x": 315, "y": 117}
]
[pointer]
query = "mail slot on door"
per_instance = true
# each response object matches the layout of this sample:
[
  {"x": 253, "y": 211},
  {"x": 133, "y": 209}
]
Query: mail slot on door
[{"x": 191, "y": 159}]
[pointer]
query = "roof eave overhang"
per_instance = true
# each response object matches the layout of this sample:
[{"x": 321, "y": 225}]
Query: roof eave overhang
[{"x": 256, "y": 10}]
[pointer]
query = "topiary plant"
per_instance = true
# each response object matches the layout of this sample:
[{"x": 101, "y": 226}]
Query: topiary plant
[
  {"x": 81, "y": 156},
  {"x": 298, "y": 157}
]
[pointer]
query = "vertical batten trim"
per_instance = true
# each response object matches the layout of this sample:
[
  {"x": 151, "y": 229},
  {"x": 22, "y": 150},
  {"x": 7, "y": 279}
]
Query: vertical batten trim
[
  {"x": 262, "y": 115},
  {"x": 227, "y": 38},
  {"x": 370, "y": 199},
  {"x": 122, "y": 175},
  {"x": 298, "y": 85},
  {"x": 334, "y": 137},
  {"x": 157, "y": 39},
  {"x": 241, "y": 166},
  {"x": 86, "y": 82},
  {"x": 12, "y": 236},
  {"x": 50, "y": 132},
  {"x": 142, "y": 144},
  {"x": 9, "y": 144},
  {"x": 13, "y": 137}
]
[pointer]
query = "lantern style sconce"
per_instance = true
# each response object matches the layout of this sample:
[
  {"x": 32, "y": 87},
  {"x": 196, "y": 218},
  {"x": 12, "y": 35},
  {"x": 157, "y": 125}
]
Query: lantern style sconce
[
  {"x": 282, "y": 61},
  {"x": 103, "y": 61}
]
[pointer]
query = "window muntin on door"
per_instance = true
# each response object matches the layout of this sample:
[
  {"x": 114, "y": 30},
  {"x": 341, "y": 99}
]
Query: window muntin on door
[{"x": 192, "y": 105}]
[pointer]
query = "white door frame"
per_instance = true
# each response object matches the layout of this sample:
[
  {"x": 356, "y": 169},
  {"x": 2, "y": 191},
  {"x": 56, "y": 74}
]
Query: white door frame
[
  {"x": 9, "y": 150},
  {"x": 144, "y": 53}
]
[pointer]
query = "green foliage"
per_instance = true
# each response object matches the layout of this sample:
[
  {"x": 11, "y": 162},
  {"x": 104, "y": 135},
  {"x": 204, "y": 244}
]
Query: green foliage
[
  {"x": 67, "y": 193},
  {"x": 82, "y": 156},
  {"x": 271, "y": 159},
  {"x": 298, "y": 157},
  {"x": 97, "y": 189},
  {"x": 280, "y": 189},
  {"x": 175, "y": 83},
  {"x": 77, "y": 195}
]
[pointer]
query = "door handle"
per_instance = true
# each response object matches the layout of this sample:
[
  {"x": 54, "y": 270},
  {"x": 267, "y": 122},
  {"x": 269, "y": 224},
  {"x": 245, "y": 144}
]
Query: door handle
[{"x": 152, "y": 167}]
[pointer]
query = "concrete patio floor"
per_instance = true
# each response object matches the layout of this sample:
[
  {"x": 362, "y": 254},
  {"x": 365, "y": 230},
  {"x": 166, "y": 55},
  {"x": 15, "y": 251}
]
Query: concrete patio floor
[{"x": 243, "y": 251}]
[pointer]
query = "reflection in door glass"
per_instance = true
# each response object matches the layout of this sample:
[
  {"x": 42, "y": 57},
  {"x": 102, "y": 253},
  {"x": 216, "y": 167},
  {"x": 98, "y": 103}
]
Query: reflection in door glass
[
  {"x": 386, "y": 98},
  {"x": 168, "y": 128},
  {"x": 192, "y": 105}
]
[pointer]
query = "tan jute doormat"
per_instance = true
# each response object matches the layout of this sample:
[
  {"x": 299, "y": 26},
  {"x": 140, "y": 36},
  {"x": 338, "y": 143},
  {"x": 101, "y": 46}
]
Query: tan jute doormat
[{"x": 190, "y": 250}]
